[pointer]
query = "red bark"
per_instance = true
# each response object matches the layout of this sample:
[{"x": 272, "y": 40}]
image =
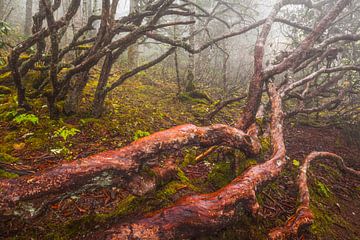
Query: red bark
[
  {"x": 127, "y": 161},
  {"x": 303, "y": 216},
  {"x": 198, "y": 214}
]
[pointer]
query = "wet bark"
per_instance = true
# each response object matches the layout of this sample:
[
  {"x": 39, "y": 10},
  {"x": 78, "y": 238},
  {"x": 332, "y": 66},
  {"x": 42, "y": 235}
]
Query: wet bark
[
  {"x": 198, "y": 214},
  {"x": 126, "y": 161},
  {"x": 304, "y": 216}
]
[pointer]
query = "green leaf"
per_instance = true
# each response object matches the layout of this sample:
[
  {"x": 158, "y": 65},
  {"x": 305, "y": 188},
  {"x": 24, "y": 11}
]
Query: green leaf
[
  {"x": 65, "y": 133},
  {"x": 296, "y": 163},
  {"x": 25, "y": 118},
  {"x": 140, "y": 134}
]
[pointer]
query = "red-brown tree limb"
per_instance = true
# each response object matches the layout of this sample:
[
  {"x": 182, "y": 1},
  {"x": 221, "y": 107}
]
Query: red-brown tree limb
[
  {"x": 198, "y": 214},
  {"x": 127, "y": 161},
  {"x": 303, "y": 216}
]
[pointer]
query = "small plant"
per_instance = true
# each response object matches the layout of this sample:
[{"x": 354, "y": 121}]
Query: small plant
[
  {"x": 140, "y": 134},
  {"x": 65, "y": 132},
  {"x": 63, "y": 146},
  {"x": 26, "y": 118},
  {"x": 4, "y": 31},
  {"x": 296, "y": 163}
]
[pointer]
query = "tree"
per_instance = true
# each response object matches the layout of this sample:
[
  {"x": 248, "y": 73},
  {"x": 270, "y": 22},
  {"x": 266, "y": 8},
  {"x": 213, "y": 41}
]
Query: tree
[
  {"x": 191, "y": 216},
  {"x": 28, "y": 17}
]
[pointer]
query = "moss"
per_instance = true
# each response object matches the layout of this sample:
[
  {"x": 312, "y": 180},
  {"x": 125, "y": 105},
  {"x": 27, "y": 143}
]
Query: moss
[
  {"x": 74, "y": 228},
  {"x": 10, "y": 137},
  {"x": 200, "y": 95},
  {"x": 4, "y": 90},
  {"x": 338, "y": 142},
  {"x": 5, "y": 77},
  {"x": 187, "y": 98},
  {"x": 330, "y": 170},
  {"x": 265, "y": 144},
  {"x": 189, "y": 157},
  {"x": 184, "y": 179},
  {"x": 37, "y": 143},
  {"x": 245, "y": 164},
  {"x": 221, "y": 174},
  {"x": 84, "y": 47},
  {"x": 322, "y": 189},
  {"x": 164, "y": 194},
  {"x": 6, "y": 158},
  {"x": 322, "y": 223},
  {"x": 126, "y": 206},
  {"x": 5, "y": 174}
]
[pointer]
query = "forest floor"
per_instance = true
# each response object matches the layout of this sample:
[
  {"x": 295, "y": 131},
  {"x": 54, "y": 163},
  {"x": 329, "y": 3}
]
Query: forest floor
[{"x": 143, "y": 106}]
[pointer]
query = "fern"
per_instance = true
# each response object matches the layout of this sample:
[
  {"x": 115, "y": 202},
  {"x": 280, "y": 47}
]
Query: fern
[
  {"x": 25, "y": 118},
  {"x": 65, "y": 133}
]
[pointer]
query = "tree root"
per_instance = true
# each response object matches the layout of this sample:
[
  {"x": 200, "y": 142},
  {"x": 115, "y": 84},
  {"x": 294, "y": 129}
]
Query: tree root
[
  {"x": 125, "y": 161},
  {"x": 303, "y": 216},
  {"x": 198, "y": 214}
]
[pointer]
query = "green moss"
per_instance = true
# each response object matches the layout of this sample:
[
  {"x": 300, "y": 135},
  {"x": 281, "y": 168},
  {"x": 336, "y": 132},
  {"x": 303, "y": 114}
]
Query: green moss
[
  {"x": 330, "y": 170},
  {"x": 189, "y": 157},
  {"x": 245, "y": 164},
  {"x": 37, "y": 143},
  {"x": 338, "y": 142},
  {"x": 169, "y": 190},
  {"x": 126, "y": 206},
  {"x": 221, "y": 174},
  {"x": 184, "y": 179},
  {"x": 4, "y": 90},
  {"x": 5, "y": 174},
  {"x": 322, "y": 223},
  {"x": 10, "y": 137},
  {"x": 186, "y": 97},
  {"x": 74, "y": 228},
  {"x": 5, "y": 76},
  {"x": 6, "y": 158},
  {"x": 84, "y": 47},
  {"x": 322, "y": 189},
  {"x": 265, "y": 144}
]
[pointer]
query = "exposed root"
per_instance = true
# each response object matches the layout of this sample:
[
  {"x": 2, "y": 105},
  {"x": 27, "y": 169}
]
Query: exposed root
[
  {"x": 198, "y": 214},
  {"x": 303, "y": 216},
  {"x": 126, "y": 161}
]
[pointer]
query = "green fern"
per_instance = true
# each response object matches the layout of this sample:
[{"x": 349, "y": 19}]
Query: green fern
[
  {"x": 65, "y": 133},
  {"x": 26, "y": 118}
]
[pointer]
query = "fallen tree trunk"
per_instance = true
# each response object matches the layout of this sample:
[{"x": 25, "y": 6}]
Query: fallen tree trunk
[
  {"x": 125, "y": 161},
  {"x": 198, "y": 214}
]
